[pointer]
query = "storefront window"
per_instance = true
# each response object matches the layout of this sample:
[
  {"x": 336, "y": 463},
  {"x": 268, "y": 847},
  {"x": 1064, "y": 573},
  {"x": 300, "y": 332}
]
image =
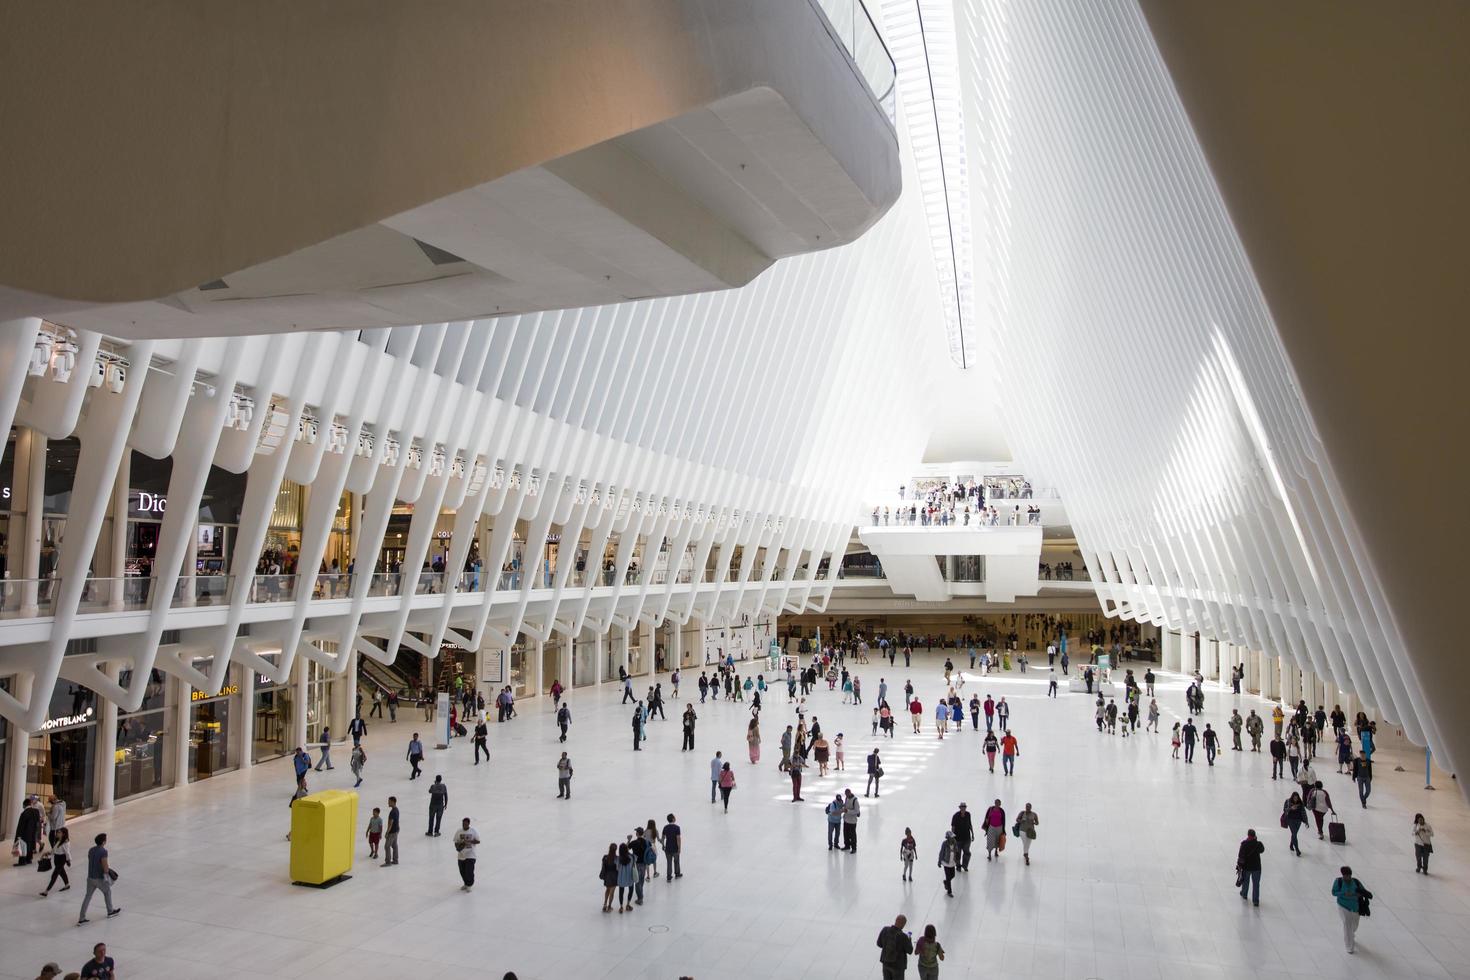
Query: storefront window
[
  {"x": 584, "y": 663},
  {"x": 144, "y": 750},
  {"x": 209, "y": 735},
  {"x": 61, "y": 758},
  {"x": 272, "y": 724},
  {"x": 320, "y": 686}
]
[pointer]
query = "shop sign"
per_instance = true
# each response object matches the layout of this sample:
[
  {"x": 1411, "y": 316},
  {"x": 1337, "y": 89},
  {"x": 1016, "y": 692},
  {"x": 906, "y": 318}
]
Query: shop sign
[
  {"x": 152, "y": 504},
  {"x": 4, "y": 493},
  {"x": 224, "y": 692},
  {"x": 66, "y": 721}
]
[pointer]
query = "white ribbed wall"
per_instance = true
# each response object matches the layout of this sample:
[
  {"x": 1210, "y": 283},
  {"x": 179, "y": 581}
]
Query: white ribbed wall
[{"x": 1140, "y": 369}]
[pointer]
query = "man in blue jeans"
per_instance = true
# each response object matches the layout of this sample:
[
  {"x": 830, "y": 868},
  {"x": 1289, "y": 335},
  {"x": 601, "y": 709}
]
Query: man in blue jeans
[
  {"x": 1248, "y": 865},
  {"x": 715, "y": 765},
  {"x": 834, "y": 822}
]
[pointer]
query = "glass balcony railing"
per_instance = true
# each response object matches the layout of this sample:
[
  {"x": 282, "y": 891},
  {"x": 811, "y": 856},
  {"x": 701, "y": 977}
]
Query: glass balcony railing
[{"x": 855, "y": 27}]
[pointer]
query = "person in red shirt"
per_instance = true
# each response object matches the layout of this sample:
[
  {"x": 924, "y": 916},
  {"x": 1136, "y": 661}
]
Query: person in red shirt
[
  {"x": 994, "y": 823},
  {"x": 1009, "y": 749},
  {"x": 916, "y": 711}
]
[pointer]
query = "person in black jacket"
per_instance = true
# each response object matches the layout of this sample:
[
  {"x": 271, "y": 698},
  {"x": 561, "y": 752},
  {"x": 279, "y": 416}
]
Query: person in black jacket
[
  {"x": 28, "y": 830},
  {"x": 1248, "y": 867},
  {"x": 896, "y": 948},
  {"x": 964, "y": 835}
]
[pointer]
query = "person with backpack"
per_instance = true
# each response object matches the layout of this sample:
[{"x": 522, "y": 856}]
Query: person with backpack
[
  {"x": 564, "y": 778},
  {"x": 851, "y": 810},
  {"x": 896, "y": 948},
  {"x": 928, "y": 953},
  {"x": 563, "y": 722},
  {"x": 834, "y": 822},
  {"x": 1352, "y": 903}
]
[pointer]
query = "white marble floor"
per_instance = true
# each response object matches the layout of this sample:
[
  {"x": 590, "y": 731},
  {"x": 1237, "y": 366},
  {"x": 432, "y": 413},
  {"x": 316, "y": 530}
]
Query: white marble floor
[{"x": 1131, "y": 875}]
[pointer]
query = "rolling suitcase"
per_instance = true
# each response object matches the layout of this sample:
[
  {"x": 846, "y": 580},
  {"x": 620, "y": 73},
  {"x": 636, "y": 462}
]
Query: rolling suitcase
[{"x": 1336, "y": 833}]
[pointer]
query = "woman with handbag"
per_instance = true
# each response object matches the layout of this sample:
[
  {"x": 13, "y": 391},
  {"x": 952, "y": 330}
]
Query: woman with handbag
[
  {"x": 60, "y": 859},
  {"x": 995, "y": 831},
  {"x": 1423, "y": 834},
  {"x": 1352, "y": 904},
  {"x": 1026, "y": 823},
  {"x": 608, "y": 875}
]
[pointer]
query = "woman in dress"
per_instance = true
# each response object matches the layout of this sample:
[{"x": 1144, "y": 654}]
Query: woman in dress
[
  {"x": 820, "y": 751},
  {"x": 609, "y": 876},
  {"x": 753, "y": 739}
]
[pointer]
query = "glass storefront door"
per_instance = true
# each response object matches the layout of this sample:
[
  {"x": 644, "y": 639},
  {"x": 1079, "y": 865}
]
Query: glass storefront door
[
  {"x": 209, "y": 737},
  {"x": 272, "y": 724}
]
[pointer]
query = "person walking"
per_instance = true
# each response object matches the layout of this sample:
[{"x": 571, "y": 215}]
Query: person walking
[
  {"x": 727, "y": 784},
  {"x": 896, "y": 947},
  {"x": 326, "y": 759},
  {"x": 941, "y": 718},
  {"x": 1009, "y": 749},
  {"x": 1248, "y": 867},
  {"x": 994, "y": 824},
  {"x": 356, "y": 761},
  {"x": 753, "y": 740},
  {"x": 1051, "y": 683},
  {"x": 608, "y": 875},
  {"x": 100, "y": 877},
  {"x": 689, "y": 718},
  {"x": 61, "y": 860},
  {"x": 963, "y": 828},
  {"x": 1363, "y": 776},
  {"x": 415, "y": 756},
  {"x": 1236, "y": 723},
  {"x": 99, "y": 967},
  {"x": 916, "y": 714},
  {"x": 798, "y": 763},
  {"x": 1293, "y": 815},
  {"x": 1278, "y": 758},
  {"x": 928, "y": 953},
  {"x": 875, "y": 774},
  {"x": 1153, "y": 716},
  {"x": 1423, "y": 846},
  {"x": 55, "y": 818},
  {"x": 1319, "y": 803},
  {"x": 390, "y": 834},
  {"x": 1352, "y": 903},
  {"x": 1211, "y": 739},
  {"x": 787, "y": 738},
  {"x": 673, "y": 837},
  {"x": 482, "y": 736},
  {"x": 990, "y": 745},
  {"x": 1254, "y": 727},
  {"x": 908, "y": 852},
  {"x": 716, "y": 766},
  {"x": 851, "y": 810},
  {"x": 1026, "y": 823},
  {"x": 949, "y": 861},
  {"x": 465, "y": 840},
  {"x": 357, "y": 728},
  {"x": 834, "y": 822},
  {"x": 563, "y": 722},
  {"x": 1190, "y": 734},
  {"x": 564, "y": 778}
]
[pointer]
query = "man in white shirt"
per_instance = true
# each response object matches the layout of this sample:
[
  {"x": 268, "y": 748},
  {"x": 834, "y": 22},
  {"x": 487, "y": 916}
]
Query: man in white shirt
[
  {"x": 465, "y": 840},
  {"x": 1051, "y": 654}
]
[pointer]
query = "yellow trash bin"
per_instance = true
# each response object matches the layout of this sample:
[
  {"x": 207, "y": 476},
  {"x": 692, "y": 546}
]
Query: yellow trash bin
[{"x": 323, "y": 829}]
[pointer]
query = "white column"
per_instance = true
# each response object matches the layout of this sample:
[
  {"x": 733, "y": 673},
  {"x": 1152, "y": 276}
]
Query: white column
[
  {"x": 299, "y": 695},
  {"x": 1188, "y": 655},
  {"x": 16, "y": 752},
  {"x": 646, "y": 644},
  {"x": 598, "y": 654},
  {"x": 676, "y": 646},
  {"x": 538, "y": 663},
  {"x": 119, "y": 564},
  {"x": 1169, "y": 650},
  {"x": 624, "y": 631},
  {"x": 30, "y": 486},
  {"x": 180, "y": 732},
  {"x": 564, "y": 661},
  {"x": 191, "y": 564},
  {"x": 106, "y": 781},
  {"x": 245, "y": 726}
]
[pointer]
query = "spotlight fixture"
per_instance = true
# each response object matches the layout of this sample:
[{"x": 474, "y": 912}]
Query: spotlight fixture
[{"x": 40, "y": 356}]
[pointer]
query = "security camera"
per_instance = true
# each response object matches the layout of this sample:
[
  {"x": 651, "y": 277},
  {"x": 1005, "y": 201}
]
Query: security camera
[
  {"x": 98, "y": 375},
  {"x": 117, "y": 376},
  {"x": 40, "y": 356}
]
